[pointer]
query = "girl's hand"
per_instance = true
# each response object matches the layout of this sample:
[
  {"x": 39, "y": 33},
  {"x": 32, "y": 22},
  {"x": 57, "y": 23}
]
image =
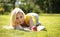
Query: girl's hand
[{"x": 34, "y": 28}]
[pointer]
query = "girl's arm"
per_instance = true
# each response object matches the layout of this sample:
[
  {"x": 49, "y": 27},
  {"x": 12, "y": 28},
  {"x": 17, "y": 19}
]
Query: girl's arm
[
  {"x": 31, "y": 23},
  {"x": 19, "y": 27}
]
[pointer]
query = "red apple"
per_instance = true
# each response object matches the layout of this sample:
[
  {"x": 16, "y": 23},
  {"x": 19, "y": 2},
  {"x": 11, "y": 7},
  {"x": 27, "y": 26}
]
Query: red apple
[{"x": 34, "y": 28}]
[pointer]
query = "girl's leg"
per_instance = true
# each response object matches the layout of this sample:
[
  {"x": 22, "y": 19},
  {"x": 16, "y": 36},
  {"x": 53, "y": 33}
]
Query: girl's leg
[
  {"x": 37, "y": 22},
  {"x": 36, "y": 16}
]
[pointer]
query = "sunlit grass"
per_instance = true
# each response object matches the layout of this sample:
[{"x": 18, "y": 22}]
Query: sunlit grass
[{"x": 50, "y": 21}]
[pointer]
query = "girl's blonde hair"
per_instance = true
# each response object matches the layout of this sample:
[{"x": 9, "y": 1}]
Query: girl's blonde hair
[{"x": 13, "y": 15}]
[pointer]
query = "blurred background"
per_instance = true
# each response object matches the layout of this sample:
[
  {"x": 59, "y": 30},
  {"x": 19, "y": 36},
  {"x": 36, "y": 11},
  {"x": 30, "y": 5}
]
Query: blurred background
[
  {"x": 49, "y": 16},
  {"x": 36, "y": 6}
]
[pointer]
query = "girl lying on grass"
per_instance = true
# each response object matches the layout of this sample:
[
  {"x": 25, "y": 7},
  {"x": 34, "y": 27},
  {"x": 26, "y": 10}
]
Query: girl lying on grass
[{"x": 21, "y": 21}]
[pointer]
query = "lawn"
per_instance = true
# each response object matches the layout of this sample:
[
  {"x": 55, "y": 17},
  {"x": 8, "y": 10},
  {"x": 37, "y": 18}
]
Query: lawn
[{"x": 50, "y": 21}]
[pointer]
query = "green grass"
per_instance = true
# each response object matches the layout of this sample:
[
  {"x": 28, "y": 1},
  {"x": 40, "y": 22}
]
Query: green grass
[{"x": 50, "y": 21}]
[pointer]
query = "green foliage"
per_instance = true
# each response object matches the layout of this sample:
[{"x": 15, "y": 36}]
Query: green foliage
[
  {"x": 6, "y": 7},
  {"x": 37, "y": 6},
  {"x": 1, "y": 10},
  {"x": 26, "y": 8},
  {"x": 30, "y": 7}
]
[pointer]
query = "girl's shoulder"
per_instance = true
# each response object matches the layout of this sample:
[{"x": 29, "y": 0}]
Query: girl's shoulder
[
  {"x": 27, "y": 16},
  {"x": 26, "y": 19}
]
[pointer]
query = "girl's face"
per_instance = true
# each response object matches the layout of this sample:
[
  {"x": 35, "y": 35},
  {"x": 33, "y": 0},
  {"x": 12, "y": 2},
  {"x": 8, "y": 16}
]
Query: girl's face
[{"x": 19, "y": 18}]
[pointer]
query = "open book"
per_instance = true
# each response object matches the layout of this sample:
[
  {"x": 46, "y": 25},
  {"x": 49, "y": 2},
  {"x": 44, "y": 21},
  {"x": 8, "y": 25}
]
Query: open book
[{"x": 39, "y": 28}]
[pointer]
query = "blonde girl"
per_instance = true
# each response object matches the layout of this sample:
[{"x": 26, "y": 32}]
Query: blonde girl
[{"x": 19, "y": 20}]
